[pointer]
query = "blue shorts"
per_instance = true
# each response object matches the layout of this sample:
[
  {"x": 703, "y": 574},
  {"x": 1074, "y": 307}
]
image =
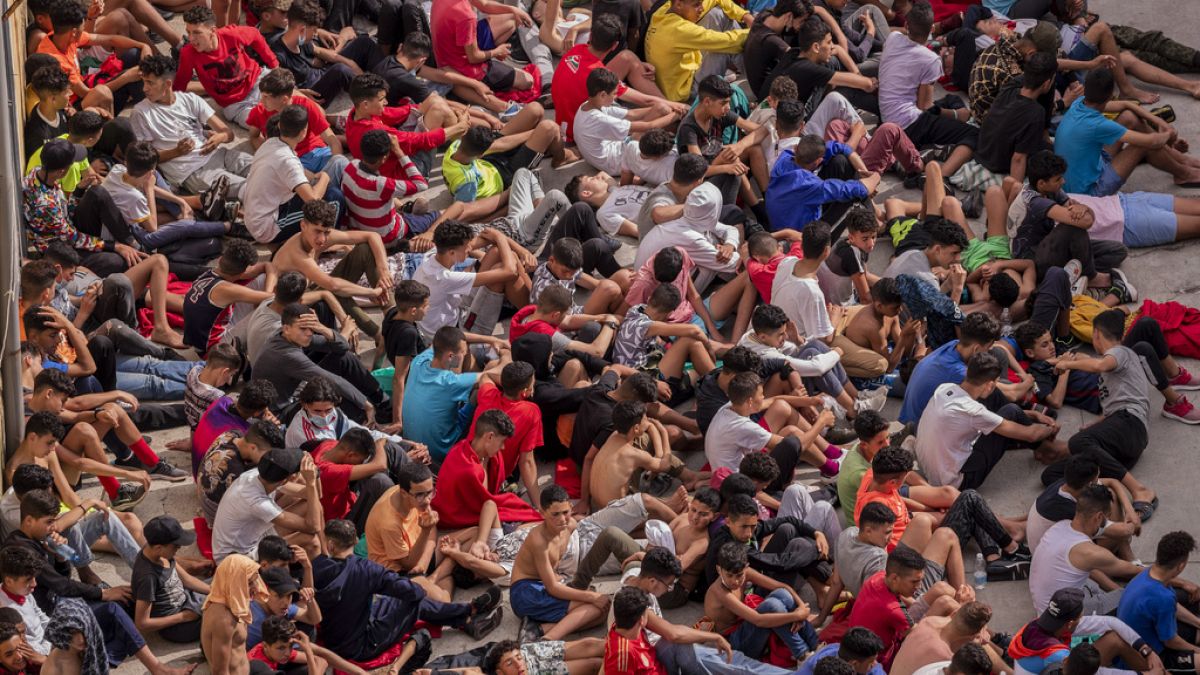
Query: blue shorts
[
  {"x": 419, "y": 223},
  {"x": 1109, "y": 181},
  {"x": 529, "y": 599},
  {"x": 483, "y": 35},
  {"x": 314, "y": 160},
  {"x": 1150, "y": 218}
]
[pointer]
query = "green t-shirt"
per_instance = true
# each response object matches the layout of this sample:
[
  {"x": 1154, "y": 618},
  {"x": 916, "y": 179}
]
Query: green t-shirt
[
  {"x": 854, "y": 467},
  {"x": 475, "y": 180},
  {"x": 70, "y": 179}
]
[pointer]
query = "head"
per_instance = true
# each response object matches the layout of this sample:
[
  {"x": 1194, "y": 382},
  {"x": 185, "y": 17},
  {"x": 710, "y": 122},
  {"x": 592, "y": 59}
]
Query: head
[
  {"x": 689, "y": 171},
  {"x": 668, "y": 264},
  {"x": 319, "y": 400},
  {"x": 281, "y": 590},
  {"x": 715, "y": 95},
  {"x": 606, "y": 34},
  {"x": 63, "y": 256},
  {"x": 770, "y": 325},
  {"x": 782, "y": 89},
  {"x": 762, "y": 247},
  {"x": 51, "y": 84},
  {"x": 876, "y": 523},
  {"x": 655, "y": 143},
  {"x": 904, "y": 572},
  {"x": 516, "y": 380},
  {"x": 745, "y": 391},
  {"x": 341, "y": 538},
  {"x": 732, "y": 561},
  {"x": 860, "y": 648},
  {"x": 1063, "y": 612},
  {"x": 1099, "y": 91},
  {"x": 368, "y": 93},
  {"x": 223, "y": 362},
  {"x": 59, "y": 155},
  {"x": 305, "y": 17},
  {"x": 295, "y": 327},
  {"x": 554, "y": 303},
  {"x": 691, "y": 10},
  {"x": 891, "y": 466},
  {"x": 833, "y": 665},
  {"x": 663, "y": 300},
  {"x": 84, "y": 129},
  {"x": 293, "y": 127},
  {"x": 809, "y": 152},
  {"x": 318, "y": 217},
  {"x": 629, "y": 419},
  {"x": 164, "y": 537},
  {"x": 255, "y": 398},
  {"x": 415, "y": 481},
  {"x": 760, "y": 468},
  {"x": 1107, "y": 329},
  {"x": 629, "y": 608},
  {"x": 19, "y": 568},
  {"x": 376, "y": 147},
  {"x": 12, "y": 640},
  {"x": 702, "y": 509},
  {"x": 505, "y": 657},
  {"x": 200, "y": 24},
  {"x": 1038, "y": 73},
  {"x": 970, "y": 620},
  {"x": 983, "y": 370},
  {"x": 1034, "y": 341},
  {"x": 815, "y": 41},
  {"x": 788, "y": 15},
  {"x": 978, "y": 333},
  {"x": 602, "y": 86},
  {"x": 1084, "y": 659},
  {"x": 1045, "y": 170},
  {"x": 920, "y": 21},
  {"x": 412, "y": 299},
  {"x": 872, "y": 431},
  {"x": 555, "y": 507},
  {"x": 1091, "y": 509},
  {"x": 640, "y": 386},
  {"x": 140, "y": 159},
  {"x": 861, "y": 231},
  {"x": 1080, "y": 471},
  {"x": 43, "y": 431},
  {"x": 449, "y": 347},
  {"x": 272, "y": 14},
  {"x": 274, "y": 551},
  {"x": 277, "y": 632},
  {"x": 590, "y": 189},
  {"x": 477, "y": 141},
  {"x": 416, "y": 48},
  {"x": 1173, "y": 552},
  {"x": 66, "y": 20},
  {"x": 566, "y": 258},
  {"x": 815, "y": 240},
  {"x": 492, "y": 430},
  {"x": 279, "y": 465},
  {"x": 39, "y": 508},
  {"x": 237, "y": 255},
  {"x": 260, "y": 437},
  {"x": 973, "y": 659},
  {"x": 741, "y": 517},
  {"x": 452, "y": 239},
  {"x": 51, "y": 389},
  {"x": 29, "y": 477},
  {"x": 734, "y": 485},
  {"x": 947, "y": 241},
  {"x": 662, "y": 569},
  {"x": 789, "y": 114},
  {"x": 886, "y": 298},
  {"x": 38, "y": 278}
]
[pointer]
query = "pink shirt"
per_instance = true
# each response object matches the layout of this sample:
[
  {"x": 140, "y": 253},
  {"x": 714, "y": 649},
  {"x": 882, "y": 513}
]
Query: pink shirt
[{"x": 644, "y": 284}]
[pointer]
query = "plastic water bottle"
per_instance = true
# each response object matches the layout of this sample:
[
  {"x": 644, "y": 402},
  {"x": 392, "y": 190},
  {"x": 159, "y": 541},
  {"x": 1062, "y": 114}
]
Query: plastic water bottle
[
  {"x": 65, "y": 552},
  {"x": 980, "y": 572}
]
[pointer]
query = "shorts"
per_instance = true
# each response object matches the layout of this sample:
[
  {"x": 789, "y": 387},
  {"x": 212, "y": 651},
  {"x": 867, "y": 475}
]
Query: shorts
[
  {"x": 530, "y": 600},
  {"x": 499, "y": 76},
  {"x": 1109, "y": 181},
  {"x": 507, "y": 163},
  {"x": 934, "y": 572},
  {"x": 899, "y": 227},
  {"x": 1150, "y": 218},
  {"x": 980, "y": 251},
  {"x": 1098, "y": 601},
  {"x": 417, "y": 223},
  {"x": 1177, "y": 661},
  {"x": 483, "y": 35},
  {"x": 314, "y": 160},
  {"x": 1082, "y": 51}
]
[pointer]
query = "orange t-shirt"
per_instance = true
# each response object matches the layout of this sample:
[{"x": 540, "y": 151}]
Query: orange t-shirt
[
  {"x": 892, "y": 500},
  {"x": 390, "y": 537},
  {"x": 69, "y": 60}
]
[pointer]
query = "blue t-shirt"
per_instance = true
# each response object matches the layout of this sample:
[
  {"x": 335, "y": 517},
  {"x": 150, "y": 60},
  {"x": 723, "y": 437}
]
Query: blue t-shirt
[
  {"x": 433, "y": 401},
  {"x": 1148, "y": 607},
  {"x": 810, "y": 664},
  {"x": 1082, "y": 134},
  {"x": 942, "y": 365},
  {"x": 259, "y": 614}
]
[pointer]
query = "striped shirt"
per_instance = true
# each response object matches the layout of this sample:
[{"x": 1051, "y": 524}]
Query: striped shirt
[{"x": 369, "y": 198}]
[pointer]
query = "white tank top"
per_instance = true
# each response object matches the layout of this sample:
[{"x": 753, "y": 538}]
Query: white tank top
[{"x": 1052, "y": 568}]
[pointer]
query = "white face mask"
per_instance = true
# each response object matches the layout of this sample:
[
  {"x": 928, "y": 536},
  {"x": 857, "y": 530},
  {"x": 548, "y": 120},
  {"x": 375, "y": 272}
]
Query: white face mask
[
  {"x": 322, "y": 420},
  {"x": 302, "y": 40}
]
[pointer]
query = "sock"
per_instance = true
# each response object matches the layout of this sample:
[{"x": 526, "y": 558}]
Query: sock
[
  {"x": 144, "y": 453},
  {"x": 110, "y": 485},
  {"x": 485, "y": 311},
  {"x": 832, "y": 451},
  {"x": 760, "y": 213},
  {"x": 830, "y": 468}
]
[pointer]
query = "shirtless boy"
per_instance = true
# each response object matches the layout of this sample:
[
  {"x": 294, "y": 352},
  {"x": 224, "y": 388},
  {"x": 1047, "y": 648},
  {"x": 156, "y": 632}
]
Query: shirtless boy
[
  {"x": 537, "y": 593},
  {"x": 689, "y": 535},
  {"x": 875, "y": 326},
  {"x": 624, "y": 461}
]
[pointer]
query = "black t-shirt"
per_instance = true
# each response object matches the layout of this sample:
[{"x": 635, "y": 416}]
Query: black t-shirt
[
  {"x": 37, "y": 131},
  {"x": 401, "y": 338},
  {"x": 1053, "y": 506},
  {"x": 159, "y": 586},
  {"x": 630, "y": 17},
  {"x": 593, "y": 423},
  {"x": 709, "y": 399},
  {"x": 401, "y": 83},
  {"x": 1014, "y": 124},
  {"x": 845, "y": 260},
  {"x": 710, "y": 142},
  {"x": 809, "y": 77},
  {"x": 765, "y": 50},
  {"x": 300, "y": 63}
]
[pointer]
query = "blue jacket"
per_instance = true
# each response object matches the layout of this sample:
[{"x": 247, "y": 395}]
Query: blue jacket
[{"x": 795, "y": 195}]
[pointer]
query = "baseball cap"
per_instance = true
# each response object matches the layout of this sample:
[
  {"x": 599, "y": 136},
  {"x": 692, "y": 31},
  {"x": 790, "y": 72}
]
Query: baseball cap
[
  {"x": 1045, "y": 37},
  {"x": 279, "y": 464},
  {"x": 165, "y": 530},
  {"x": 1065, "y": 606},
  {"x": 277, "y": 579},
  {"x": 59, "y": 153}
]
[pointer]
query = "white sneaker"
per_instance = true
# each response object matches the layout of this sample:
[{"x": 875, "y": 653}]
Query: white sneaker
[
  {"x": 1074, "y": 270},
  {"x": 874, "y": 399}
]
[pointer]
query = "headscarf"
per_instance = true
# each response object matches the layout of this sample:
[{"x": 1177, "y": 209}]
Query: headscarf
[
  {"x": 71, "y": 616},
  {"x": 231, "y": 586}
]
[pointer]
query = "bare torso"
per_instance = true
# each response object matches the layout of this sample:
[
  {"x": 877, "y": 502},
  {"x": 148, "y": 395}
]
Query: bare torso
[
  {"x": 715, "y": 609},
  {"x": 538, "y": 543},
  {"x": 612, "y": 471},
  {"x": 217, "y": 620}
]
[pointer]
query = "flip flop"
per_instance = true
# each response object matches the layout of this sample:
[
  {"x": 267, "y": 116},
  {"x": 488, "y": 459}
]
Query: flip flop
[{"x": 1145, "y": 510}]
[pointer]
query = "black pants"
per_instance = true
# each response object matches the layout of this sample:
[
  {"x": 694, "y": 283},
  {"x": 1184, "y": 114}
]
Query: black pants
[
  {"x": 579, "y": 222},
  {"x": 787, "y": 540},
  {"x": 970, "y": 516},
  {"x": 989, "y": 449},
  {"x": 837, "y": 168},
  {"x": 1116, "y": 443},
  {"x": 152, "y": 416},
  {"x": 787, "y": 455},
  {"x": 341, "y": 13},
  {"x": 350, "y": 367},
  {"x": 132, "y": 92},
  {"x": 930, "y": 129},
  {"x": 368, "y": 491},
  {"x": 1051, "y": 299},
  {"x": 336, "y": 78},
  {"x": 398, "y": 18},
  {"x": 1066, "y": 242},
  {"x": 860, "y": 99},
  {"x": 1146, "y": 338}
]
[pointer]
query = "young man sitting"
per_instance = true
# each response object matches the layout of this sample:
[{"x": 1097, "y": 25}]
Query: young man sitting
[
  {"x": 1056, "y": 503},
  {"x": 320, "y": 150},
  {"x": 325, "y": 72},
  {"x": 626, "y": 463},
  {"x": 100, "y": 92},
  {"x": 168, "y": 599},
  {"x": 876, "y": 328},
  {"x": 800, "y": 195},
  {"x": 252, "y": 506},
  {"x": 1151, "y": 604},
  {"x": 602, "y": 129},
  {"x": 1041, "y": 646},
  {"x": 221, "y": 61},
  {"x": 686, "y": 41}
]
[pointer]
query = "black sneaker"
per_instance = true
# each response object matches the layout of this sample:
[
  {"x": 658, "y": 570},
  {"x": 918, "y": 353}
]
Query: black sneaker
[
  {"x": 129, "y": 495},
  {"x": 212, "y": 200},
  {"x": 423, "y": 643},
  {"x": 1002, "y": 641},
  {"x": 480, "y": 625},
  {"x": 130, "y": 462},
  {"x": 239, "y": 231},
  {"x": 486, "y": 601},
  {"x": 907, "y": 430},
  {"x": 1022, "y": 552},
  {"x": 531, "y": 631},
  {"x": 973, "y": 203},
  {"x": 168, "y": 471},
  {"x": 1008, "y": 568}
]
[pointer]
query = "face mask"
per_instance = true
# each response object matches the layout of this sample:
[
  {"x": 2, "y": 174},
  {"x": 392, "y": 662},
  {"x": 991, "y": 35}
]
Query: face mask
[
  {"x": 322, "y": 420},
  {"x": 302, "y": 40}
]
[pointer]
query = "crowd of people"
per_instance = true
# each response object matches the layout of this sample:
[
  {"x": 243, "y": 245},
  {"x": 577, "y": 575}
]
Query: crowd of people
[{"x": 210, "y": 246}]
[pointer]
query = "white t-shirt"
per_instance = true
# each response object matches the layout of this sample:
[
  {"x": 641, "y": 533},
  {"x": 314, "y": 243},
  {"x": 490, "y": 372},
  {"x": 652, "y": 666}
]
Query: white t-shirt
[
  {"x": 730, "y": 437},
  {"x": 129, "y": 200},
  {"x": 802, "y": 300},
  {"x": 903, "y": 67},
  {"x": 243, "y": 517},
  {"x": 950, "y": 425},
  {"x": 274, "y": 174},
  {"x": 914, "y": 263},
  {"x": 166, "y": 125},
  {"x": 653, "y": 171},
  {"x": 446, "y": 291},
  {"x": 631, "y": 573},
  {"x": 624, "y": 203},
  {"x": 935, "y": 668},
  {"x": 601, "y": 135}
]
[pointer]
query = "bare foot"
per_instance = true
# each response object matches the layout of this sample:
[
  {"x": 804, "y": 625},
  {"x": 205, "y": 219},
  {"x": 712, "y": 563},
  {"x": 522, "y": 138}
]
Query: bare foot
[
  {"x": 678, "y": 501},
  {"x": 1142, "y": 496},
  {"x": 700, "y": 480},
  {"x": 181, "y": 445},
  {"x": 1189, "y": 180},
  {"x": 569, "y": 156},
  {"x": 1141, "y": 96},
  {"x": 165, "y": 335}
]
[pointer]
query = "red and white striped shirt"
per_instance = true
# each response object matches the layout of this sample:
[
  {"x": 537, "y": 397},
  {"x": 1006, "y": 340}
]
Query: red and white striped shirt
[{"x": 369, "y": 198}]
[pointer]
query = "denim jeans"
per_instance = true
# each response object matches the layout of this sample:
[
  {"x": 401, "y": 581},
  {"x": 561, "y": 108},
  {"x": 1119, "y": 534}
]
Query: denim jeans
[
  {"x": 179, "y": 230},
  {"x": 87, "y": 531},
  {"x": 752, "y": 640},
  {"x": 121, "y": 637},
  {"x": 689, "y": 659},
  {"x": 152, "y": 379}
]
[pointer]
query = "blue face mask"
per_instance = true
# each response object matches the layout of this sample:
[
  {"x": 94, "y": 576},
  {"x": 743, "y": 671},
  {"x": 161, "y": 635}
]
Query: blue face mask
[{"x": 303, "y": 40}]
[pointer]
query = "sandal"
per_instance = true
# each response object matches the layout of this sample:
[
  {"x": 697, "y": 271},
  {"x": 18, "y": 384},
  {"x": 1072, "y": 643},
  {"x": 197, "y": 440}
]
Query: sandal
[{"x": 1145, "y": 510}]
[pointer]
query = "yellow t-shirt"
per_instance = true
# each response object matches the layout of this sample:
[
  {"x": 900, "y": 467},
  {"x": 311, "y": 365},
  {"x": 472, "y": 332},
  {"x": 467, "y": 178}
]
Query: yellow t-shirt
[
  {"x": 70, "y": 179},
  {"x": 475, "y": 180}
]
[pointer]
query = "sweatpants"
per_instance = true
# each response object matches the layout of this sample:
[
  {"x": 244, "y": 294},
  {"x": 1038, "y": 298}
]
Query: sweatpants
[
  {"x": 798, "y": 503},
  {"x": 1157, "y": 49},
  {"x": 531, "y": 210},
  {"x": 613, "y": 542},
  {"x": 359, "y": 262},
  {"x": 880, "y": 150},
  {"x": 860, "y": 361},
  {"x": 970, "y": 516},
  {"x": 335, "y": 78},
  {"x": 989, "y": 449},
  {"x": 1115, "y": 442}
]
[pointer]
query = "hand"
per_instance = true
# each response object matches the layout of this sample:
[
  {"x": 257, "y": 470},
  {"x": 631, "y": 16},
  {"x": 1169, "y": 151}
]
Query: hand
[
  {"x": 107, "y": 416},
  {"x": 306, "y": 595},
  {"x": 57, "y": 319},
  {"x": 958, "y": 275},
  {"x": 826, "y": 419},
  {"x": 94, "y": 504},
  {"x": 421, "y": 243},
  {"x": 369, "y": 413},
  {"x": 128, "y": 398},
  {"x": 95, "y": 9},
  {"x": 121, "y": 594},
  {"x": 419, "y": 454},
  {"x": 868, "y": 24},
  {"x": 722, "y": 646},
  {"x": 822, "y": 544},
  {"x": 580, "y": 509},
  {"x": 1074, "y": 91},
  {"x": 308, "y": 469},
  {"x": 872, "y": 84},
  {"x": 427, "y": 519},
  {"x": 386, "y": 282},
  {"x": 600, "y": 601},
  {"x": 141, "y": 477},
  {"x": 185, "y": 146},
  {"x": 724, "y": 252},
  {"x": 56, "y": 539},
  {"x": 129, "y": 254},
  {"x": 300, "y": 556},
  {"x": 501, "y": 52},
  {"x": 1106, "y": 61},
  {"x": 87, "y": 303},
  {"x": 965, "y": 594},
  {"x": 185, "y": 211},
  {"x": 212, "y": 141},
  {"x": 726, "y": 156},
  {"x": 89, "y": 178},
  {"x": 737, "y": 168},
  {"x": 478, "y": 549},
  {"x": 522, "y": 16}
]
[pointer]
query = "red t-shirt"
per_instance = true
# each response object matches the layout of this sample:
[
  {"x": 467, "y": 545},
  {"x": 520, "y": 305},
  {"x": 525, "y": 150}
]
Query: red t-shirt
[
  {"x": 228, "y": 72},
  {"x": 520, "y": 325},
  {"x": 526, "y": 417},
  {"x": 892, "y": 500},
  {"x": 410, "y": 142},
  {"x": 623, "y": 656},
  {"x": 878, "y": 609},
  {"x": 317, "y": 124},
  {"x": 568, "y": 89},
  {"x": 763, "y": 275},
  {"x": 453, "y": 25},
  {"x": 256, "y": 653},
  {"x": 336, "y": 495}
]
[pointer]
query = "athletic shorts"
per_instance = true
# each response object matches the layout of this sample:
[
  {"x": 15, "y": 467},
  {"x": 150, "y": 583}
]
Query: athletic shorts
[
  {"x": 1109, "y": 181},
  {"x": 530, "y": 599},
  {"x": 499, "y": 76},
  {"x": 934, "y": 572},
  {"x": 980, "y": 251},
  {"x": 1150, "y": 218},
  {"x": 483, "y": 35}
]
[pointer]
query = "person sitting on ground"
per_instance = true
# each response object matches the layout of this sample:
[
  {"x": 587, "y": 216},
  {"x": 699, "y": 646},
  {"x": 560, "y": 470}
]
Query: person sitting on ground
[
  {"x": 471, "y": 177},
  {"x": 938, "y": 263},
  {"x": 938, "y": 638},
  {"x": 278, "y": 636},
  {"x": 947, "y": 364},
  {"x": 231, "y": 455},
  {"x": 319, "y": 419},
  {"x": 354, "y": 473},
  {"x": 371, "y": 197},
  {"x": 233, "y": 85},
  {"x": 477, "y": 48},
  {"x": 230, "y": 413},
  {"x": 284, "y": 597},
  {"x": 411, "y": 73},
  {"x": 876, "y": 327},
  {"x": 401, "y": 530},
  {"x": 672, "y": 265},
  {"x": 626, "y": 464},
  {"x": 686, "y": 40},
  {"x": 325, "y": 72},
  {"x": 19, "y": 569},
  {"x": 859, "y": 647},
  {"x": 402, "y": 338},
  {"x": 226, "y": 613},
  {"x": 647, "y": 329},
  {"x": 248, "y": 510},
  {"x": 167, "y": 598},
  {"x": 602, "y": 129},
  {"x": 813, "y": 75},
  {"x": 1018, "y": 129},
  {"x": 320, "y": 150},
  {"x": 843, "y": 276},
  {"x": 1153, "y": 604},
  {"x": 510, "y": 396},
  {"x": 67, "y": 36},
  {"x": 651, "y": 160},
  {"x": 1057, "y": 503},
  {"x": 205, "y": 382},
  {"x": 84, "y": 128},
  {"x": 551, "y": 315},
  {"x": 53, "y": 90},
  {"x": 214, "y": 298},
  {"x": 697, "y": 230}
]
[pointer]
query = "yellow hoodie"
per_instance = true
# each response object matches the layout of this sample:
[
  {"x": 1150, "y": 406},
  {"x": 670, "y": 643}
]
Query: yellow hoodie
[{"x": 675, "y": 46}]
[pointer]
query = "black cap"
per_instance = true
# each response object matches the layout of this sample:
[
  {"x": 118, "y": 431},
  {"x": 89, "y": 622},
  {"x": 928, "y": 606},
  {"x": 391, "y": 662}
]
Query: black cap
[
  {"x": 59, "y": 153},
  {"x": 1065, "y": 606},
  {"x": 165, "y": 530},
  {"x": 277, "y": 579},
  {"x": 280, "y": 463}
]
